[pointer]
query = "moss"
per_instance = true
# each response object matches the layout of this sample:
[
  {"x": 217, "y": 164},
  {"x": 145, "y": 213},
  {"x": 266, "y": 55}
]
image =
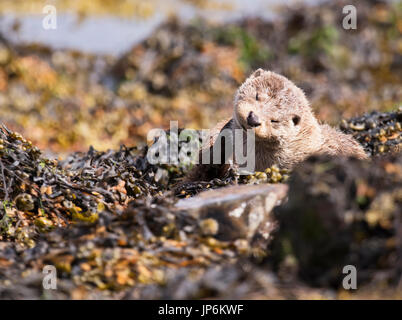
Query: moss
[
  {"x": 252, "y": 52},
  {"x": 310, "y": 44}
]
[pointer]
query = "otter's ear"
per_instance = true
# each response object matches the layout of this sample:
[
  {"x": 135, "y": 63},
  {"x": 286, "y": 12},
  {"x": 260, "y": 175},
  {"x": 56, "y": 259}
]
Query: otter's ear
[{"x": 257, "y": 73}]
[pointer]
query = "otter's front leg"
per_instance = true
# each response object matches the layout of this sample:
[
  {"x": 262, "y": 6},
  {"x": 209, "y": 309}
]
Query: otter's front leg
[{"x": 214, "y": 154}]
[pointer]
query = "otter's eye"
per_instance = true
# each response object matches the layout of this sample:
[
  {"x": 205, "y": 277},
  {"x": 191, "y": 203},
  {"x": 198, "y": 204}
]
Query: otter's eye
[
  {"x": 275, "y": 121},
  {"x": 296, "y": 120},
  {"x": 256, "y": 96}
]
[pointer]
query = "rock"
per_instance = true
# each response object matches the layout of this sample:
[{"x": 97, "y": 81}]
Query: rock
[
  {"x": 342, "y": 212},
  {"x": 240, "y": 211}
]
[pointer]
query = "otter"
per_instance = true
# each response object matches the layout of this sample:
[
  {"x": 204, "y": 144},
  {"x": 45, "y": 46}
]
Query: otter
[{"x": 285, "y": 127}]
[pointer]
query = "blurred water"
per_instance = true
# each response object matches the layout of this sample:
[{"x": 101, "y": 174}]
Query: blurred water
[{"x": 115, "y": 35}]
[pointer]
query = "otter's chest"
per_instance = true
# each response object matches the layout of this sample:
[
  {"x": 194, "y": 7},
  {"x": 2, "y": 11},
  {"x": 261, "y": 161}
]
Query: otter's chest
[{"x": 257, "y": 155}]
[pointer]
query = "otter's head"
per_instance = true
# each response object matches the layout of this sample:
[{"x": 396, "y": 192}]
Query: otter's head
[{"x": 275, "y": 109}]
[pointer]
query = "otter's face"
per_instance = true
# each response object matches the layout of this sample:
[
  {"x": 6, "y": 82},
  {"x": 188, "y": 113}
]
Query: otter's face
[{"x": 272, "y": 106}]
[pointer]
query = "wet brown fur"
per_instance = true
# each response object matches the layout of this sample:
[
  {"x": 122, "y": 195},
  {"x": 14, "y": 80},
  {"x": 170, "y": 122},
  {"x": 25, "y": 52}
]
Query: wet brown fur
[{"x": 289, "y": 131}]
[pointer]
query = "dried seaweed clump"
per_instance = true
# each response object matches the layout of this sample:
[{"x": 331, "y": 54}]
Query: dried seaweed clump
[
  {"x": 37, "y": 194},
  {"x": 40, "y": 194},
  {"x": 378, "y": 132}
]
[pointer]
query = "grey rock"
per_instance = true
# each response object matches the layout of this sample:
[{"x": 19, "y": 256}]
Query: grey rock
[{"x": 242, "y": 211}]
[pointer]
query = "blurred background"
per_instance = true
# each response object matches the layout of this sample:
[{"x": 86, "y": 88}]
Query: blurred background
[{"x": 113, "y": 70}]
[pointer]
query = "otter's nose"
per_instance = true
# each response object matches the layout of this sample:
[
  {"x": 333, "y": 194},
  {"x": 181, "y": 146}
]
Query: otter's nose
[{"x": 252, "y": 120}]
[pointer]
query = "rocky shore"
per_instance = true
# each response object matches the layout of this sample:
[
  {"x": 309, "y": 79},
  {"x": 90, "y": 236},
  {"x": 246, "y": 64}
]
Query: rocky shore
[{"x": 116, "y": 226}]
